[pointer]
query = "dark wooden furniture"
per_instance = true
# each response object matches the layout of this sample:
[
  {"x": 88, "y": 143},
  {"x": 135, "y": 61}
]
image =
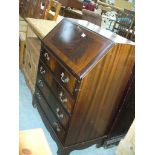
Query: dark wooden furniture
[
  {"x": 125, "y": 25},
  {"x": 32, "y": 8},
  {"x": 24, "y": 6},
  {"x": 125, "y": 115},
  {"x": 72, "y": 3},
  {"x": 81, "y": 78},
  {"x": 92, "y": 17}
]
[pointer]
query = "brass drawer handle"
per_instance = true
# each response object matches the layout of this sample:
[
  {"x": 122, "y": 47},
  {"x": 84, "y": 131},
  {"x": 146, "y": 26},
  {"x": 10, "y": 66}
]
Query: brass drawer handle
[
  {"x": 46, "y": 56},
  {"x": 38, "y": 95},
  {"x": 56, "y": 126},
  {"x": 40, "y": 83},
  {"x": 61, "y": 97},
  {"x": 63, "y": 78},
  {"x": 58, "y": 113},
  {"x": 42, "y": 71}
]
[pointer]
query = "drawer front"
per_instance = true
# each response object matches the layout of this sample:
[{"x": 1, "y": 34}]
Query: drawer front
[
  {"x": 65, "y": 78},
  {"x": 53, "y": 102},
  {"x": 30, "y": 67},
  {"x": 35, "y": 57},
  {"x": 63, "y": 97},
  {"x": 49, "y": 114}
]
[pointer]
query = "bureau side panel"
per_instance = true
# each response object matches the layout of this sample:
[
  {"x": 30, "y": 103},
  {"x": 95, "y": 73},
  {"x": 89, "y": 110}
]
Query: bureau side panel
[{"x": 100, "y": 93}]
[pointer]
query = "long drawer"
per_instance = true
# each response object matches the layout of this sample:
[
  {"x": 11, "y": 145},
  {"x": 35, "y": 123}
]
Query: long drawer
[
  {"x": 63, "y": 97},
  {"x": 53, "y": 102},
  {"x": 49, "y": 114},
  {"x": 66, "y": 79}
]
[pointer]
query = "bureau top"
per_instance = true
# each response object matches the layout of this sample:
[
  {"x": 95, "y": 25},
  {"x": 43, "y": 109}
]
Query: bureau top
[{"x": 76, "y": 46}]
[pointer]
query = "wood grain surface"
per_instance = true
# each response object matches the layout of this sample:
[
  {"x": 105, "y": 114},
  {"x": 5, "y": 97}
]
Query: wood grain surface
[
  {"x": 33, "y": 142},
  {"x": 100, "y": 68},
  {"x": 76, "y": 46},
  {"x": 100, "y": 94}
]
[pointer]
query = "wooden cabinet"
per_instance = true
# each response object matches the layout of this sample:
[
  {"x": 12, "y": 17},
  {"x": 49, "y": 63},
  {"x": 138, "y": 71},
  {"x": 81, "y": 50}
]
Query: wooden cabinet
[{"x": 81, "y": 78}]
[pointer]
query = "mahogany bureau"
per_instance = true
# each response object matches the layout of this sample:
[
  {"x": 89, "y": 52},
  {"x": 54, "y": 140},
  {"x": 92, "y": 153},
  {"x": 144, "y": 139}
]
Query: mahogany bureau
[{"x": 80, "y": 81}]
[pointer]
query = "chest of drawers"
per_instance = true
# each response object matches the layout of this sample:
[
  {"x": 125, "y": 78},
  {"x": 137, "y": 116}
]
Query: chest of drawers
[{"x": 80, "y": 80}]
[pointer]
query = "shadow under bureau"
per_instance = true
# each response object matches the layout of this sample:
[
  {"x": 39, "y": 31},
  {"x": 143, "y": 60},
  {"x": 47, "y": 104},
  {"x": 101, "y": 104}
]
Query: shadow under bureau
[{"x": 80, "y": 81}]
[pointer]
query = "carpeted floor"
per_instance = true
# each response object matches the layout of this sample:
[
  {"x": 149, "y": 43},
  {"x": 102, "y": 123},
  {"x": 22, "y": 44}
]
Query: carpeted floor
[{"x": 29, "y": 118}]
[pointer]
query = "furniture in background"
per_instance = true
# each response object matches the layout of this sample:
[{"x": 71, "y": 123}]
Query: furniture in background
[
  {"x": 33, "y": 8},
  {"x": 132, "y": 35},
  {"x": 76, "y": 4},
  {"x": 92, "y": 17},
  {"x": 72, "y": 13},
  {"x": 55, "y": 7},
  {"x": 71, "y": 8},
  {"x": 24, "y": 8},
  {"x": 104, "y": 9},
  {"x": 114, "y": 8},
  {"x": 33, "y": 142},
  {"x": 40, "y": 8},
  {"x": 36, "y": 30},
  {"x": 108, "y": 19},
  {"x": 27, "y": 8},
  {"x": 82, "y": 74},
  {"x": 31, "y": 58},
  {"x": 124, "y": 25}
]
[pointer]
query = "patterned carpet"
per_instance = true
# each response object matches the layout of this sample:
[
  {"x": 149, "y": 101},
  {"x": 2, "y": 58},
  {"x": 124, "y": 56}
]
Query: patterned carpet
[{"x": 29, "y": 118}]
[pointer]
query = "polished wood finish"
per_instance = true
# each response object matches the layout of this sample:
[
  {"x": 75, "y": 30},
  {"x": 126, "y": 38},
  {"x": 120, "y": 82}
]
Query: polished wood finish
[
  {"x": 50, "y": 116},
  {"x": 64, "y": 40},
  {"x": 104, "y": 86},
  {"x": 55, "y": 104},
  {"x": 56, "y": 87},
  {"x": 100, "y": 67},
  {"x": 124, "y": 116},
  {"x": 58, "y": 70}
]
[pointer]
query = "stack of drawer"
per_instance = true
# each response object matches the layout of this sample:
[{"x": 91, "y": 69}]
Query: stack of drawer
[
  {"x": 55, "y": 92},
  {"x": 31, "y": 59}
]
